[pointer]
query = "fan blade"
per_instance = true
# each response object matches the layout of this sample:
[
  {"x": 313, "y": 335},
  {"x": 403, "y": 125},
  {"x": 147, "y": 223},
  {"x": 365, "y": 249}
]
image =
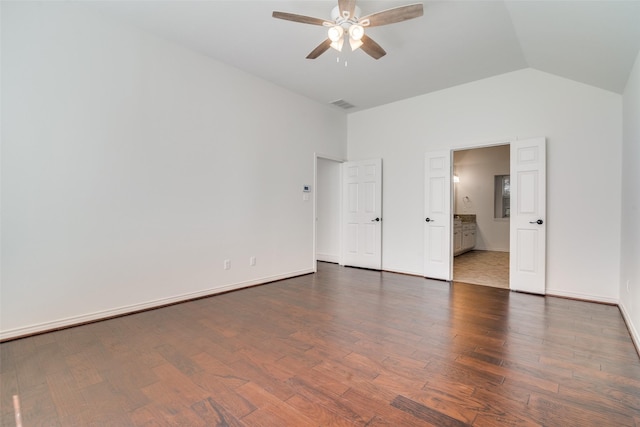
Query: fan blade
[
  {"x": 372, "y": 48},
  {"x": 391, "y": 16},
  {"x": 347, "y": 6},
  {"x": 299, "y": 18},
  {"x": 320, "y": 49}
]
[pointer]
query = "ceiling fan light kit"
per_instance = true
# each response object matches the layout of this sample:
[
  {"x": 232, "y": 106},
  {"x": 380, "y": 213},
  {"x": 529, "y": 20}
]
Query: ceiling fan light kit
[
  {"x": 335, "y": 33},
  {"x": 337, "y": 45},
  {"x": 346, "y": 22},
  {"x": 355, "y": 44},
  {"x": 356, "y": 31}
]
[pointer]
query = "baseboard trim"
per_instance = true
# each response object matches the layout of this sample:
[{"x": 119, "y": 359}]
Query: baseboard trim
[
  {"x": 478, "y": 248},
  {"x": 135, "y": 308},
  {"x": 580, "y": 296},
  {"x": 635, "y": 337},
  {"x": 405, "y": 272},
  {"x": 328, "y": 258}
]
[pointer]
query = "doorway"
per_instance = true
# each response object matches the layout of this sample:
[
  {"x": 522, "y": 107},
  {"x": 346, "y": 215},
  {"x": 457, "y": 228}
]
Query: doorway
[
  {"x": 527, "y": 211},
  {"x": 481, "y": 215},
  {"x": 347, "y": 211},
  {"x": 328, "y": 193}
]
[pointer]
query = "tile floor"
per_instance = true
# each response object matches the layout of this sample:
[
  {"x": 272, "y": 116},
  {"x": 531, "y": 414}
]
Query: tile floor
[{"x": 486, "y": 268}]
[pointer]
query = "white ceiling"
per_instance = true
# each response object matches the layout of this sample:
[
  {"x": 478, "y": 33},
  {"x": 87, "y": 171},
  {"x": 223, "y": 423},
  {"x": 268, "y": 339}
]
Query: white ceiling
[{"x": 455, "y": 42}]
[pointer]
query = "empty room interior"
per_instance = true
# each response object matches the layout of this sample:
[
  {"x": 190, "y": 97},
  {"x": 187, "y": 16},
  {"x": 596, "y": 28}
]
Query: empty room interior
[{"x": 292, "y": 213}]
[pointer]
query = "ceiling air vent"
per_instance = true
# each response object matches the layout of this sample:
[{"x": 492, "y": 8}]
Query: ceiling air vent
[{"x": 342, "y": 104}]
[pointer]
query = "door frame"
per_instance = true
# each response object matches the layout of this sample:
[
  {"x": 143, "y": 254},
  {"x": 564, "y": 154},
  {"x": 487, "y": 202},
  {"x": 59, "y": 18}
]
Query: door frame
[
  {"x": 471, "y": 146},
  {"x": 317, "y": 156}
]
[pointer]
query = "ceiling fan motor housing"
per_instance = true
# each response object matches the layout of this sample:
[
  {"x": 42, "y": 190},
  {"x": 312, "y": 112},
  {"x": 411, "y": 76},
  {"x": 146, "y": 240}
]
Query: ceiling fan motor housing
[{"x": 339, "y": 19}]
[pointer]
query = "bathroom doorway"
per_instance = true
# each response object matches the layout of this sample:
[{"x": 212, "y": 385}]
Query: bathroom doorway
[{"x": 481, "y": 207}]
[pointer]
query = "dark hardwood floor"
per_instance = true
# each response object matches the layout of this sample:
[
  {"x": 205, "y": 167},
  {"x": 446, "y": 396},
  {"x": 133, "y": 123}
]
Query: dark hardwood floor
[{"x": 342, "y": 347}]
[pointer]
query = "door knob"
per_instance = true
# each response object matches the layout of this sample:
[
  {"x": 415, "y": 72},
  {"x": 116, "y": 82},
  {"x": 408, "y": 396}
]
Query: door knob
[
  {"x": 430, "y": 220},
  {"x": 539, "y": 222},
  {"x": 375, "y": 220}
]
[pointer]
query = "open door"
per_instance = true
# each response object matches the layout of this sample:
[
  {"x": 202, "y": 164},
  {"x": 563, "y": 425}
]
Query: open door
[
  {"x": 362, "y": 214},
  {"x": 437, "y": 208},
  {"x": 528, "y": 223}
]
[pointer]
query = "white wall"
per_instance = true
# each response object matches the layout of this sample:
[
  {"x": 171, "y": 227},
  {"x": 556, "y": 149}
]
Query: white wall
[
  {"x": 477, "y": 169},
  {"x": 328, "y": 210},
  {"x": 131, "y": 168},
  {"x": 630, "y": 231},
  {"x": 583, "y": 126}
]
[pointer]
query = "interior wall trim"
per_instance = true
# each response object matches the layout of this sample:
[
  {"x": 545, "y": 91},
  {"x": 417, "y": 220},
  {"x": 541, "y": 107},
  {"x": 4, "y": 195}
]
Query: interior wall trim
[
  {"x": 635, "y": 336},
  {"x": 580, "y": 296},
  {"x": 334, "y": 258},
  {"x": 135, "y": 308}
]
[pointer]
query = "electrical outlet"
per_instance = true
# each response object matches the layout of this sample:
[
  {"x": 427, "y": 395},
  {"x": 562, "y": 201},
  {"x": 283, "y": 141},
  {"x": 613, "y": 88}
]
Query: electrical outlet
[
  {"x": 252, "y": 261},
  {"x": 227, "y": 264}
]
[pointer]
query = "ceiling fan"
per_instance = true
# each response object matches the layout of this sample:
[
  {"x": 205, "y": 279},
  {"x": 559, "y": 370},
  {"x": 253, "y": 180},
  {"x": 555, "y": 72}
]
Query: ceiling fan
[{"x": 346, "y": 22}]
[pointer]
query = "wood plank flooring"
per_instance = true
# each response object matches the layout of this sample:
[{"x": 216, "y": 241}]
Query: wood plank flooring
[{"x": 342, "y": 347}]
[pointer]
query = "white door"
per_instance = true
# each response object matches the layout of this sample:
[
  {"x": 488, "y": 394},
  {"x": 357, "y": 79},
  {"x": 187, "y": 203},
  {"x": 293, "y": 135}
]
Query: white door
[
  {"x": 527, "y": 211},
  {"x": 362, "y": 214},
  {"x": 437, "y": 208}
]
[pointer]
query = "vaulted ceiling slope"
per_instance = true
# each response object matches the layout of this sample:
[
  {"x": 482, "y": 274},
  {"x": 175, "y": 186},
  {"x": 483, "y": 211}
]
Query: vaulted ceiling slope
[{"x": 455, "y": 42}]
